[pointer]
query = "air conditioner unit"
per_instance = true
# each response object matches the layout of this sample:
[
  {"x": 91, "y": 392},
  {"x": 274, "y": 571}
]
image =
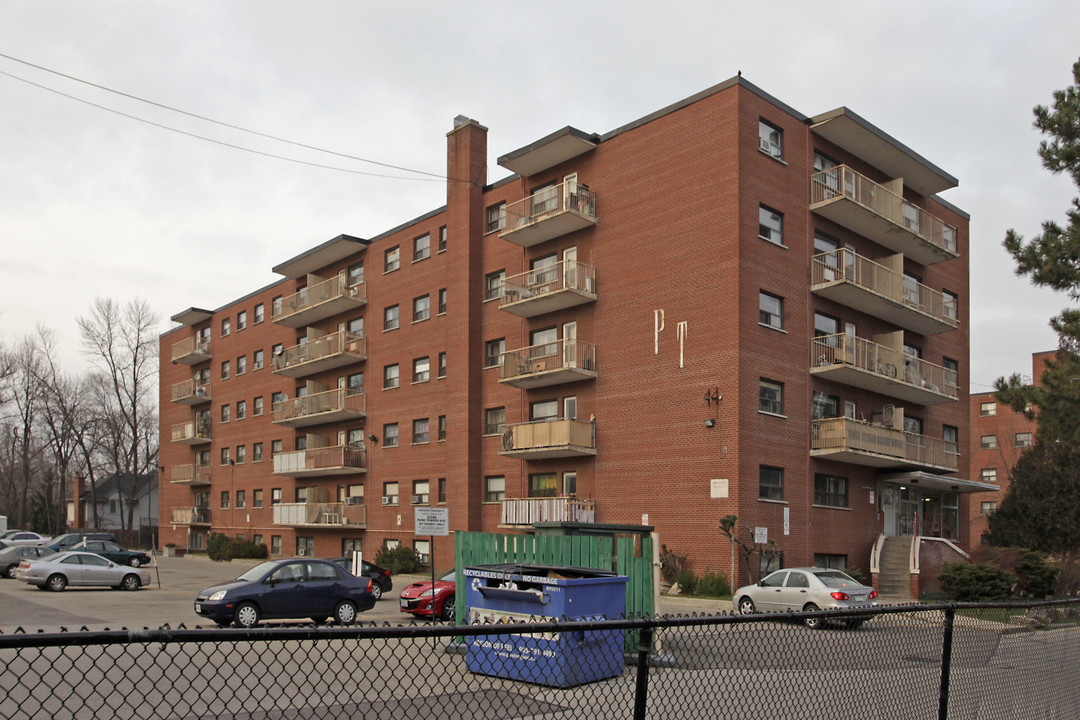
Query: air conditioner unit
[
  {"x": 419, "y": 499},
  {"x": 354, "y": 501},
  {"x": 388, "y": 500},
  {"x": 766, "y": 145}
]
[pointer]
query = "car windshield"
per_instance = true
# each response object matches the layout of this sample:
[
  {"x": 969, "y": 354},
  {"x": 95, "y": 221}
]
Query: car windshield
[
  {"x": 835, "y": 579},
  {"x": 447, "y": 575},
  {"x": 258, "y": 571}
]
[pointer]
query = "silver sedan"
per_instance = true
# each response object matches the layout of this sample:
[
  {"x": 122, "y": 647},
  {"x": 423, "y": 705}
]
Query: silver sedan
[
  {"x": 806, "y": 589},
  {"x": 56, "y": 572}
]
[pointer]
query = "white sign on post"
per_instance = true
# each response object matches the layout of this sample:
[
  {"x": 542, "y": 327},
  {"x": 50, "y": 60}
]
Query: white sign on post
[
  {"x": 432, "y": 521},
  {"x": 761, "y": 535}
]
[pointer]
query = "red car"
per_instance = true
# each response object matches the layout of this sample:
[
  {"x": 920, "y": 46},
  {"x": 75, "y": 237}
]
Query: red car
[{"x": 420, "y": 600}]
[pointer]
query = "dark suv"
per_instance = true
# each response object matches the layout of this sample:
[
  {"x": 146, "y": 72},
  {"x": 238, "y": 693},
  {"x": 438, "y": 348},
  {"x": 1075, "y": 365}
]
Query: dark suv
[{"x": 66, "y": 542}]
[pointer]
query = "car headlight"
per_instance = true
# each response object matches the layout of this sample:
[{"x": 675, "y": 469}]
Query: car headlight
[
  {"x": 219, "y": 595},
  {"x": 426, "y": 593}
]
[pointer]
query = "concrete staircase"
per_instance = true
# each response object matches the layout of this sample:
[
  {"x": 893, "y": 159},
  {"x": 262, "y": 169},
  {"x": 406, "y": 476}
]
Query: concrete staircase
[{"x": 894, "y": 576}]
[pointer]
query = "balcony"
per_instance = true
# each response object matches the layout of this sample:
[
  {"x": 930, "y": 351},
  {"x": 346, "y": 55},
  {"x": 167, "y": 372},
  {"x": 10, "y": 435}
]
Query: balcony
[
  {"x": 545, "y": 439},
  {"x": 857, "y": 282},
  {"x": 191, "y": 516},
  {"x": 326, "y": 353},
  {"x": 864, "y": 364},
  {"x": 861, "y": 443},
  {"x": 191, "y": 351},
  {"x": 191, "y": 392},
  {"x": 553, "y": 363},
  {"x": 320, "y": 515},
  {"x": 319, "y": 301},
  {"x": 527, "y": 511},
  {"x": 192, "y": 433},
  {"x": 549, "y": 213},
  {"x": 336, "y": 460},
  {"x": 190, "y": 475},
  {"x": 326, "y": 407},
  {"x": 549, "y": 288},
  {"x": 882, "y": 215}
]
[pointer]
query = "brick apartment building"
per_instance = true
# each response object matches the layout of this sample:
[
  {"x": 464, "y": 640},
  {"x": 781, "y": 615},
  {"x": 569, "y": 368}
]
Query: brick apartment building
[
  {"x": 723, "y": 308},
  {"x": 999, "y": 435}
]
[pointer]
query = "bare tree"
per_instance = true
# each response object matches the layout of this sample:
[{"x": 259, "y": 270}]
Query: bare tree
[
  {"x": 24, "y": 389},
  {"x": 121, "y": 342}
]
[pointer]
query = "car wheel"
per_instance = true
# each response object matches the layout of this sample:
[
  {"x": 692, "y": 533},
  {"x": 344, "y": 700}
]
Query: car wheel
[
  {"x": 9, "y": 571},
  {"x": 131, "y": 582},
  {"x": 813, "y": 623},
  {"x": 247, "y": 615},
  {"x": 134, "y": 561},
  {"x": 448, "y": 609},
  {"x": 376, "y": 590},
  {"x": 56, "y": 583},
  {"x": 345, "y": 612},
  {"x": 746, "y": 606}
]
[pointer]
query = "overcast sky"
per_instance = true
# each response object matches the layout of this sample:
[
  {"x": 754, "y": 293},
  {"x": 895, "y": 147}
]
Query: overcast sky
[{"x": 93, "y": 203}]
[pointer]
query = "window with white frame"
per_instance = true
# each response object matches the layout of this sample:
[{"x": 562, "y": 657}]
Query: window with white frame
[
  {"x": 421, "y": 370},
  {"x": 493, "y": 285},
  {"x": 951, "y": 305},
  {"x": 392, "y": 259},
  {"x": 988, "y": 442},
  {"x": 494, "y": 488},
  {"x": 771, "y": 310},
  {"x": 442, "y": 238},
  {"x": 257, "y": 359},
  {"x": 422, "y": 247},
  {"x": 1023, "y": 440},
  {"x": 496, "y": 217},
  {"x": 421, "y": 308},
  {"x": 390, "y": 435},
  {"x": 391, "y": 377},
  {"x": 494, "y": 420},
  {"x": 356, "y": 274},
  {"x": 987, "y": 507},
  {"x": 421, "y": 490},
  {"x": 493, "y": 350},
  {"x": 987, "y": 409},
  {"x": 770, "y": 397},
  {"x": 260, "y": 313},
  {"x": 770, "y": 139},
  {"x": 423, "y": 549},
  {"x": 390, "y": 493},
  {"x": 241, "y": 320},
  {"x": 421, "y": 431},
  {"x": 770, "y": 225},
  {"x": 770, "y": 483},
  {"x": 988, "y": 475},
  {"x": 390, "y": 317}
]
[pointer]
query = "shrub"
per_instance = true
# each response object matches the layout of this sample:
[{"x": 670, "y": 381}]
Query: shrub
[
  {"x": 247, "y": 549},
  {"x": 713, "y": 585},
  {"x": 964, "y": 582},
  {"x": 671, "y": 564},
  {"x": 217, "y": 547},
  {"x": 220, "y": 547},
  {"x": 687, "y": 581},
  {"x": 398, "y": 560},
  {"x": 1035, "y": 575},
  {"x": 1068, "y": 580}
]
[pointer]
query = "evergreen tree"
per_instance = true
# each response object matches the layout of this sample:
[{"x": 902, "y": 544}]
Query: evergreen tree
[{"x": 1041, "y": 510}]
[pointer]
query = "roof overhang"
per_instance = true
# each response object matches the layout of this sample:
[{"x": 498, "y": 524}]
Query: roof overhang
[
  {"x": 931, "y": 481},
  {"x": 192, "y": 316},
  {"x": 320, "y": 256},
  {"x": 868, "y": 142},
  {"x": 558, "y": 147}
]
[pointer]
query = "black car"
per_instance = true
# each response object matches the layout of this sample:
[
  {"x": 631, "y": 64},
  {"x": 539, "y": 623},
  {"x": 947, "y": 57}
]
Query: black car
[
  {"x": 112, "y": 551},
  {"x": 380, "y": 578},
  {"x": 293, "y": 588}
]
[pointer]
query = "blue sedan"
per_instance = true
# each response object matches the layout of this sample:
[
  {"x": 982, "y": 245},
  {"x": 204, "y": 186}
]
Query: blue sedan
[{"x": 282, "y": 589}]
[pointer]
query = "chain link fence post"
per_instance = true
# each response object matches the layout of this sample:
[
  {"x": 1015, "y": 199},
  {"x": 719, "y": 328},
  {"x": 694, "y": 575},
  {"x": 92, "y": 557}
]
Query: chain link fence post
[
  {"x": 946, "y": 662},
  {"x": 641, "y": 694}
]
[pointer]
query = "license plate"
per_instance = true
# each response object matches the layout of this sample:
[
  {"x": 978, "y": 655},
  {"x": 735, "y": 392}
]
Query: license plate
[
  {"x": 860, "y": 598},
  {"x": 198, "y": 608},
  {"x": 404, "y": 603}
]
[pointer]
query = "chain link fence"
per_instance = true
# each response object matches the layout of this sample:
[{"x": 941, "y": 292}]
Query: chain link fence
[{"x": 1002, "y": 660}]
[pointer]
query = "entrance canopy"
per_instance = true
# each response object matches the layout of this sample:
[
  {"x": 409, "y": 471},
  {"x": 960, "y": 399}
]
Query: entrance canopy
[{"x": 940, "y": 483}]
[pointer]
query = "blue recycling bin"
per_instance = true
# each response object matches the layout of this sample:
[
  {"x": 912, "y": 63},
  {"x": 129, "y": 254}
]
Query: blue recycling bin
[{"x": 510, "y": 594}]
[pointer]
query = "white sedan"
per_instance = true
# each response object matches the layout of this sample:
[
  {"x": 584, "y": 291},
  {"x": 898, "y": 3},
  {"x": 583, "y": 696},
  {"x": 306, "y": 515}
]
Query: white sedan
[
  {"x": 806, "y": 589},
  {"x": 27, "y": 538},
  {"x": 55, "y": 572}
]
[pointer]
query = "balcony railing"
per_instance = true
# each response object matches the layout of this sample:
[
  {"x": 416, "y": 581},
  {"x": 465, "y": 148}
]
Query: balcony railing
[
  {"x": 191, "y": 516},
  {"x": 858, "y": 282},
  {"x": 320, "y": 515},
  {"x": 526, "y": 511},
  {"x": 191, "y": 351},
  {"x": 876, "y": 212},
  {"x": 191, "y": 433},
  {"x": 336, "y": 460},
  {"x": 870, "y": 366},
  {"x": 326, "y": 353},
  {"x": 190, "y": 475},
  {"x": 549, "y": 288},
  {"x": 191, "y": 392},
  {"x": 549, "y": 439},
  {"x": 325, "y": 407},
  {"x": 862, "y": 443},
  {"x": 319, "y": 301},
  {"x": 547, "y": 364},
  {"x": 549, "y": 213}
]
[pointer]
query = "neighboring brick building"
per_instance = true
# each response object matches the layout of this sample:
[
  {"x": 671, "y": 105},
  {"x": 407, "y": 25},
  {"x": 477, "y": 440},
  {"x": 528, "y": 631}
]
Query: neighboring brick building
[
  {"x": 998, "y": 436},
  {"x": 725, "y": 307}
]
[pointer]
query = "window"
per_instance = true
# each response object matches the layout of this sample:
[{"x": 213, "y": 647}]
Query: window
[
  {"x": 569, "y": 483},
  {"x": 1023, "y": 440},
  {"x": 442, "y": 301},
  {"x": 277, "y": 400},
  {"x": 496, "y": 218},
  {"x": 241, "y": 499},
  {"x": 260, "y": 313},
  {"x": 300, "y": 442},
  {"x": 226, "y": 327},
  {"x": 241, "y": 365},
  {"x": 226, "y": 413},
  {"x": 390, "y": 318},
  {"x": 824, "y": 406},
  {"x": 256, "y": 498},
  {"x": 257, "y": 360},
  {"x": 771, "y": 310},
  {"x": 421, "y": 308},
  {"x": 493, "y": 285},
  {"x": 356, "y": 325},
  {"x": 421, "y": 431},
  {"x": 544, "y": 410},
  {"x": 356, "y": 274},
  {"x": 988, "y": 475},
  {"x": 390, "y": 377},
  {"x": 392, "y": 259},
  {"x": 494, "y": 420},
  {"x": 770, "y": 397},
  {"x": 257, "y": 452},
  {"x": 833, "y": 562},
  {"x": 770, "y": 225},
  {"x": 543, "y": 485},
  {"x": 226, "y": 369},
  {"x": 988, "y": 442},
  {"x": 241, "y": 455},
  {"x": 275, "y": 447},
  {"x": 277, "y": 349},
  {"x": 355, "y": 383},
  {"x": 275, "y": 544},
  {"x": 830, "y": 490},
  {"x": 421, "y": 370},
  {"x": 987, "y": 409},
  {"x": 225, "y": 500},
  {"x": 951, "y": 305},
  {"x": 421, "y": 247},
  {"x": 987, "y": 507},
  {"x": 423, "y": 549},
  {"x": 442, "y": 490},
  {"x": 494, "y": 488},
  {"x": 442, "y": 364},
  {"x": 421, "y": 490},
  {"x": 390, "y": 435},
  {"x": 826, "y": 325},
  {"x": 241, "y": 409},
  {"x": 390, "y": 493},
  {"x": 493, "y": 350},
  {"x": 257, "y": 406},
  {"x": 275, "y": 306},
  {"x": 952, "y": 372},
  {"x": 275, "y": 496},
  {"x": 356, "y": 437},
  {"x": 770, "y": 139},
  {"x": 771, "y": 483},
  {"x": 442, "y": 427}
]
